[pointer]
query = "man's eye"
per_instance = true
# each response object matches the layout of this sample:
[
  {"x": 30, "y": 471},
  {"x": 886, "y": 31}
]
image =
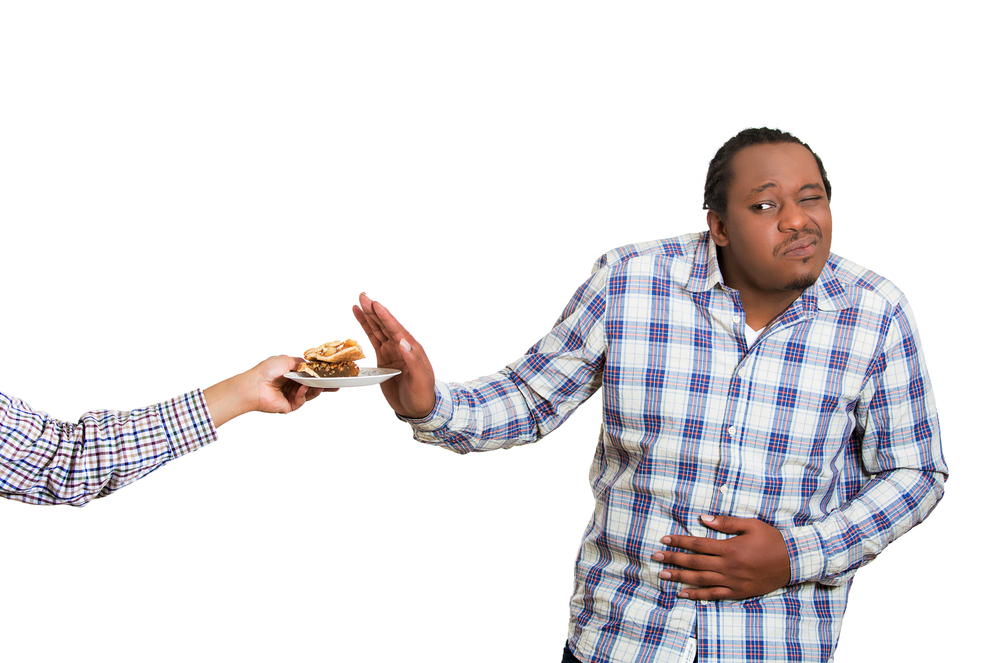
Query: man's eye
[{"x": 763, "y": 206}]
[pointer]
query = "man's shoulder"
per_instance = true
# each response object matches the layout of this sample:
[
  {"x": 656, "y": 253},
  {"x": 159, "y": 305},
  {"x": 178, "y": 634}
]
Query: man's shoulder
[
  {"x": 862, "y": 284},
  {"x": 674, "y": 247}
]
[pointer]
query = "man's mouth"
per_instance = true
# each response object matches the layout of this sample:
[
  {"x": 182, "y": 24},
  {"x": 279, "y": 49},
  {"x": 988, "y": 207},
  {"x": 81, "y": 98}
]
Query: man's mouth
[{"x": 798, "y": 248}]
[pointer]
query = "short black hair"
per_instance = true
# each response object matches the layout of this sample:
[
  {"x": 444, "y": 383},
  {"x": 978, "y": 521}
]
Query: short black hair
[{"x": 720, "y": 173}]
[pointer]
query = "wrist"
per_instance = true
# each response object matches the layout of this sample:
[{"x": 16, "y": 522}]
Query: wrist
[{"x": 230, "y": 398}]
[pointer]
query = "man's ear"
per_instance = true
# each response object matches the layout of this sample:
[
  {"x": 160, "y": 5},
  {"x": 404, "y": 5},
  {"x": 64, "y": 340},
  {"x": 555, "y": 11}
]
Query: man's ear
[{"x": 717, "y": 229}]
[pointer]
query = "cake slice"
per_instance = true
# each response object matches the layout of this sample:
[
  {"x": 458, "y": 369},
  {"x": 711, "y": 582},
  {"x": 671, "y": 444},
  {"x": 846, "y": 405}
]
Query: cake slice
[{"x": 332, "y": 360}]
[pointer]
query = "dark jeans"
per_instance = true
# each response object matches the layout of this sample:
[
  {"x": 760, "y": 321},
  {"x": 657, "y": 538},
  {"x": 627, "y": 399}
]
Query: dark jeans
[{"x": 569, "y": 658}]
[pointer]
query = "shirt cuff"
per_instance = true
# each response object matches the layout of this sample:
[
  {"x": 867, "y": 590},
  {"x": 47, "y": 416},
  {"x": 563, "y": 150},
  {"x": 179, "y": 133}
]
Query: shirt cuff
[
  {"x": 187, "y": 423},
  {"x": 806, "y": 559},
  {"x": 439, "y": 416}
]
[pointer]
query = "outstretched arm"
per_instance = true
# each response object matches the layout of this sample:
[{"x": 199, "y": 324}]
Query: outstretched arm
[
  {"x": 519, "y": 404},
  {"x": 46, "y": 461}
]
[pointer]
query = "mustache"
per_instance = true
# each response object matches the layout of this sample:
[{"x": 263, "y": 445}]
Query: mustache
[{"x": 797, "y": 237}]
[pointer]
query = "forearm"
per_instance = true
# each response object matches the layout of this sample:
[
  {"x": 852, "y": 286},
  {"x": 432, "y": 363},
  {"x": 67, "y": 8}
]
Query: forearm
[
  {"x": 531, "y": 396},
  {"x": 501, "y": 410},
  {"x": 828, "y": 551},
  {"x": 45, "y": 461},
  {"x": 231, "y": 398},
  {"x": 482, "y": 415},
  {"x": 900, "y": 448}
]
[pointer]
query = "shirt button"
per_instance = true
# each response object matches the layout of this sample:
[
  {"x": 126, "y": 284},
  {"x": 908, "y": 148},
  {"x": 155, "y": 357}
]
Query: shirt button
[
  {"x": 723, "y": 489},
  {"x": 736, "y": 318},
  {"x": 732, "y": 431}
]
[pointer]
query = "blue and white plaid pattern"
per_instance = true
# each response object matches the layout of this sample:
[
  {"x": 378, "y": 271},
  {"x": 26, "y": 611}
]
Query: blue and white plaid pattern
[
  {"x": 44, "y": 461},
  {"x": 826, "y": 428}
]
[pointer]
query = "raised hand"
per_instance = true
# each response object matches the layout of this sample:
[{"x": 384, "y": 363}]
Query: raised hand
[
  {"x": 752, "y": 563},
  {"x": 411, "y": 393}
]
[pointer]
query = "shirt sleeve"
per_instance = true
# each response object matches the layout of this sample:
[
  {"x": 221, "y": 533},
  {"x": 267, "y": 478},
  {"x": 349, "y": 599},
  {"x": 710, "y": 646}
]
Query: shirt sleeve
[
  {"x": 900, "y": 449},
  {"x": 45, "y": 461},
  {"x": 532, "y": 396}
]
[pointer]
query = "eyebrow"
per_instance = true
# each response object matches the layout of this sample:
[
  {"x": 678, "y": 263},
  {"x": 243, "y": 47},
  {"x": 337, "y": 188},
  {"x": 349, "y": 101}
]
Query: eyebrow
[
  {"x": 760, "y": 189},
  {"x": 772, "y": 185}
]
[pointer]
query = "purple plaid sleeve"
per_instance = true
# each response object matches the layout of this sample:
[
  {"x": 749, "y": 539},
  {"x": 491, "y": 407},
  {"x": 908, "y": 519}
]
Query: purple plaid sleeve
[{"x": 45, "y": 461}]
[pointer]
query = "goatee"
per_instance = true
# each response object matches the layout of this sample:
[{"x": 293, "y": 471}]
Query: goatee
[{"x": 800, "y": 283}]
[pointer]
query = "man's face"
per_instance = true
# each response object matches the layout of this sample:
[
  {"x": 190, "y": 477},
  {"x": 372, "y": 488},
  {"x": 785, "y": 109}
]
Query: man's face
[{"x": 776, "y": 232}]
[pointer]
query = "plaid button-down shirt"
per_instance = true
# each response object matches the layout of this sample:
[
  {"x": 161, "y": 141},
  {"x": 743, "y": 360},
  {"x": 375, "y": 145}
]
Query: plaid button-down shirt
[
  {"x": 825, "y": 428},
  {"x": 45, "y": 461}
]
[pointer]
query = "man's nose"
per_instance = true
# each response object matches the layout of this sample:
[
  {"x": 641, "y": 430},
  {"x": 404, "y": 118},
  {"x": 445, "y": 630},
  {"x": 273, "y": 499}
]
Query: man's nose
[{"x": 793, "y": 218}]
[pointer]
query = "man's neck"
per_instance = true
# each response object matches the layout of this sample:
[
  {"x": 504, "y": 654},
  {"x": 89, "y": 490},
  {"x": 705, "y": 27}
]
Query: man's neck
[{"x": 760, "y": 306}]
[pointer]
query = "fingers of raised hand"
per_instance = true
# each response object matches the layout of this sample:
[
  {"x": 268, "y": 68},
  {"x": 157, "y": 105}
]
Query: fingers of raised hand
[
  {"x": 370, "y": 322},
  {"x": 366, "y": 325},
  {"x": 382, "y": 325},
  {"x": 387, "y": 322}
]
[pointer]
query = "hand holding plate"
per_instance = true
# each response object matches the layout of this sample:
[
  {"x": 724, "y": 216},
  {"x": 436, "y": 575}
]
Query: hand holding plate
[{"x": 264, "y": 388}]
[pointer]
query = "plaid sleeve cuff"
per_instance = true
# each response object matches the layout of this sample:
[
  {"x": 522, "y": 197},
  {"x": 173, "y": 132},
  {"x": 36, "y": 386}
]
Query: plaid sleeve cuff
[
  {"x": 187, "y": 423},
  {"x": 805, "y": 553},
  {"x": 439, "y": 416}
]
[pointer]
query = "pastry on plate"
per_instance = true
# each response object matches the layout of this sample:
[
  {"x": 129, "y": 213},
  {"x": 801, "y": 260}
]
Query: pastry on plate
[{"x": 332, "y": 360}]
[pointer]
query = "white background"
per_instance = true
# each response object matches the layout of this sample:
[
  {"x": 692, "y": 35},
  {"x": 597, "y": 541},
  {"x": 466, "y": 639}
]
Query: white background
[{"x": 189, "y": 187}]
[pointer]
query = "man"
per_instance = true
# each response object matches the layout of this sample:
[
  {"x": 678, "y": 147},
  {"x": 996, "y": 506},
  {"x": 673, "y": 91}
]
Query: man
[
  {"x": 44, "y": 461},
  {"x": 768, "y": 422}
]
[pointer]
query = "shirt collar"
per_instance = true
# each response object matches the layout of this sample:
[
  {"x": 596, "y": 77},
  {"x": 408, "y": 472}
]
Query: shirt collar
[
  {"x": 827, "y": 294},
  {"x": 705, "y": 272}
]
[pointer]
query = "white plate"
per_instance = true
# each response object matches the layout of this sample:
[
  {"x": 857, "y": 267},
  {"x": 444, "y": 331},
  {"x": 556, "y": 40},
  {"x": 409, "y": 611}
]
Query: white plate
[{"x": 366, "y": 377}]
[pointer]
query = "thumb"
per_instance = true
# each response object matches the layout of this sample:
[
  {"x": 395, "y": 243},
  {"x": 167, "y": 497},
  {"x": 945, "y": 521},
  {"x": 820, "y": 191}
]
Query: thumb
[
  {"x": 725, "y": 524},
  {"x": 409, "y": 356},
  {"x": 415, "y": 358},
  {"x": 417, "y": 394}
]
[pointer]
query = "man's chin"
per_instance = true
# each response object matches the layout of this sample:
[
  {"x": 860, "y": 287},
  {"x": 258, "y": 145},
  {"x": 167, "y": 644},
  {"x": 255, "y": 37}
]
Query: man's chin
[{"x": 801, "y": 283}]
